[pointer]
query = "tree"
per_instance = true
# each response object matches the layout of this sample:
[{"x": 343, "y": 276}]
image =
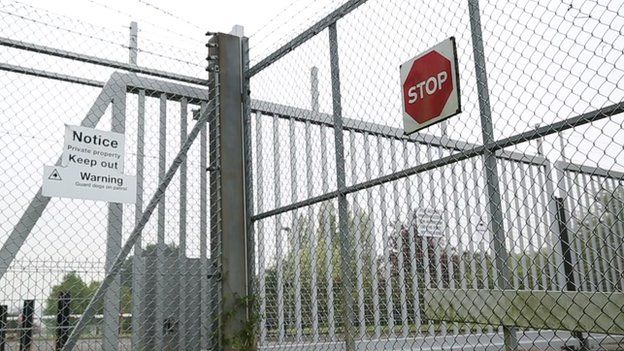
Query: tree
[
  {"x": 319, "y": 237},
  {"x": 597, "y": 230},
  {"x": 80, "y": 292}
]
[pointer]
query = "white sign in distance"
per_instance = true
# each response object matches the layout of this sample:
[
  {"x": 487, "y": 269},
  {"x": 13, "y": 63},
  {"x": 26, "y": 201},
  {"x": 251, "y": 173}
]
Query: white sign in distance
[
  {"x": 429, "y": 222},
  {"x": 91, "y": 168}
]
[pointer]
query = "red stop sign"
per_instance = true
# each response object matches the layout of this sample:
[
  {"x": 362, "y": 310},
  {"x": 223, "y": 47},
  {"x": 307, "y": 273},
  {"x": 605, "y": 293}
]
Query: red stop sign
[{"x": 428, "y": 87}]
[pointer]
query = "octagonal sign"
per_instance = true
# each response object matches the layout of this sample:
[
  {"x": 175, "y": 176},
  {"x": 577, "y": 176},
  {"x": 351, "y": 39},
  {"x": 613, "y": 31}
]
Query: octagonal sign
[{"x": 430, "y": 87}]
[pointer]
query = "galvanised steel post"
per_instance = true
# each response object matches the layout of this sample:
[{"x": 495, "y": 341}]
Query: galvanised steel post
[
  {"x": 138, "y": 264},
  {"x": 489, "y": 160},
  {"x": 112, "y": 304},
  {"x": 63, "y": 312},
  {"x": 233, "y": 201},
  {"x": 3, "y": 325},
  {"x": 343, "y": 210}
]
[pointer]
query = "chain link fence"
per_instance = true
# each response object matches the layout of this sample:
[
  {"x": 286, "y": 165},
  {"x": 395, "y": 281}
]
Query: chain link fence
[
  {"x": 501, "y": 227},
  {"x": 56, "y": 253},
  {"x": 498, "y": 228}
]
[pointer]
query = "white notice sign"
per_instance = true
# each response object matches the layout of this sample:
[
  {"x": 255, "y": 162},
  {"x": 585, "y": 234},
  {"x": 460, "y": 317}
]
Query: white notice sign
[
  {"x": 83, "y": 184},
  {"x": 91, "y": 168},
  {"x": 93, "y": 149}
]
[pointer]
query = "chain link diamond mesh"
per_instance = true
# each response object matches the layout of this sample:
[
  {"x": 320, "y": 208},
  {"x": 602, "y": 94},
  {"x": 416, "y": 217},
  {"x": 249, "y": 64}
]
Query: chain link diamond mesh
[{"x": 498, "y": 228}]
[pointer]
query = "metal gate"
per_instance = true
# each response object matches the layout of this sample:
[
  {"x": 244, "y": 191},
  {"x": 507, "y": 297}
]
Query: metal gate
[
  {"x": 164, "y": 284},
  {"x": 281, "y": 206},
  {"x": 499, "y": 228}
]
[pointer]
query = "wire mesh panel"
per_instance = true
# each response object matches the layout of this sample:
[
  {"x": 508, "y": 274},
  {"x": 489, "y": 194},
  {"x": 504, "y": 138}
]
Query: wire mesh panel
[
  {"x": 92, "y": 275},
  {"x": 482, "y": 232}
]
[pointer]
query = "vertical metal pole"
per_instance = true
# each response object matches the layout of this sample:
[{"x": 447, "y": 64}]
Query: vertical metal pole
[
  {"x": 458, "y": 229},
  {"x": 597, "y": 234},
  {"x": 297, "y": 227},
  {"x": 577, "y": 197},
  {"x": 411, "y": 238},
  {"x": 277, "y": 186},
  {"x": 617, "y": 231},
  {"x": 3, "y": 325},
  {"x": 311, "y": 231},
  {"x": 138, "y": 263},
  {"x": 565, "y": 184},
  {"x": 437, "y": 257},
  {"x": 400, "y": 251},
  {"x": 357, "y": 218},
  {"x": 207, "y": 279},
  {"x": 62, "y": 319},
  {"x": 610, "y": 255},
  {"x": 546, "y": 178},
  {"x": 471, "y": 229},
  {"x": 160, "y": 244},
  {"x": 112, "y": 297},
  {"x": 513, "y": 261},
  {"x": 183, "y": 272},
  {"x": 371, "y": 213},
  {"x": 314, "y": 82},
  {"x": 535, "y": 215},
  {"x": 387, "y": 268},
  {"x": 471, "y": 226},
  {"x": 568, "y": 264},
  {"x": 424, "y": 242},
  {"x": 491, "y": 168},
  {"x": 134, "y": 43},
  {"x": 26, "y": 326},
  {"x": 484, "y": 257},
  {"x": 519, "y": 226},
  {"x": 233, "y": 198},
  {"x": 248, "y": 166},
  {"x": 210, "y": 240},
  {"x": 260, "y": 232},
  {"x": 607, "y": 236},
  {"x": 445, "y": 217},
  {"x": 327, "y": 232},
  {"x": 343, "y": 204}
]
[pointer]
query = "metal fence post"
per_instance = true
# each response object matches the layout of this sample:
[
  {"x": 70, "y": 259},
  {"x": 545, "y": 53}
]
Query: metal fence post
[
  {"x": 314, "y": 103},
  {"x": 253, "y": 307},
  {"x": 568, "y": 264},
  {"x": 62, "y": 319},
  {"x": 110, "y": 340},
  {"x": 138, "y": 265},
  {"x": 546, "y": 179},
  {"x": 234, "y": 286},
  {"x": 26, "y": 325},
  {"x": 491, "y": 168},
  {"x": 343, "y": 204},
  {"x": 3, "y": 325},
  {"x": 134, "y": 43}
]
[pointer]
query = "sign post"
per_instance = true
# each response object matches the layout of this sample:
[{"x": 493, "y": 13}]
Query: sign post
[
  {"x": 430, "y": 87},
  {"x": 91, "y": 168}
]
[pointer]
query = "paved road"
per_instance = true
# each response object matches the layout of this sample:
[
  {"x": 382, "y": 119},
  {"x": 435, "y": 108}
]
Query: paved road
[
  {"x": 82, "y": 345},
  {"x": 532, "y": 340}
]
